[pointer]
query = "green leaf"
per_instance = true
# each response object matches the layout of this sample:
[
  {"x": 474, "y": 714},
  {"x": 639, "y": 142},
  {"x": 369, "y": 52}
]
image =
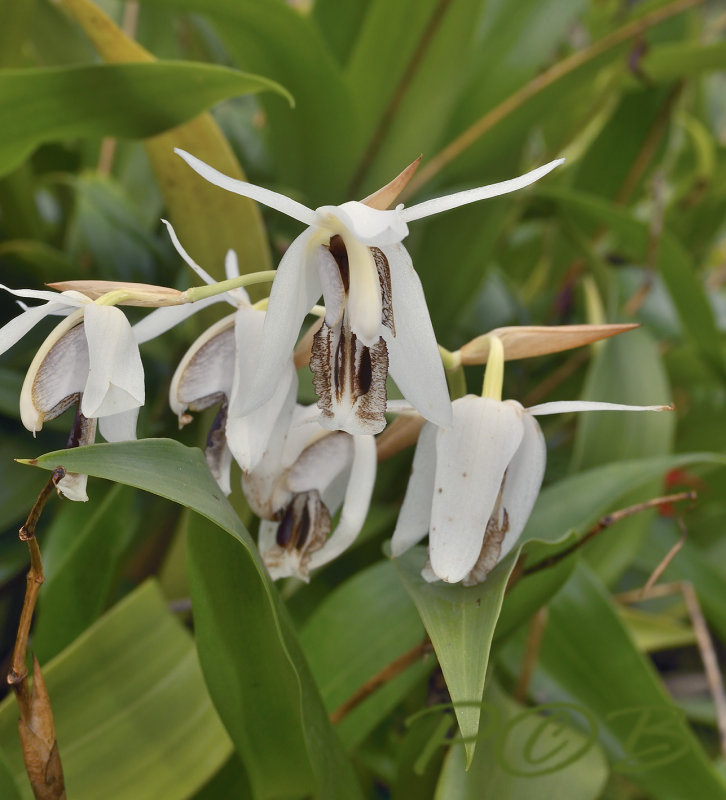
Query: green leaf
[
  {"x": 81, "y": 556},
  {"x": 525, "y": 755},
  {"x": 357, "y": 630},
  {"x": 268, "y": 702},
  {"x": 671, "y": 62},
  {"x": 674, "y": 265},
  {"x": 122, "y": 100},
  {"x": 460, "y": 622},
  {"x": 603, "y": 673},
  {"x": 132, "y": 715}
]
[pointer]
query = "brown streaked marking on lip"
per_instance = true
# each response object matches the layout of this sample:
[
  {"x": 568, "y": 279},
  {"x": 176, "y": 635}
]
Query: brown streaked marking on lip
[
  {"x": 384, "y": 278},
  {"x": 340, "y": 254}
]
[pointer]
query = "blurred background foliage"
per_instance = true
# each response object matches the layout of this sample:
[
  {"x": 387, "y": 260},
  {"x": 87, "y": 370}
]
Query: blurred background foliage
[{"x": 93, "y": 97}]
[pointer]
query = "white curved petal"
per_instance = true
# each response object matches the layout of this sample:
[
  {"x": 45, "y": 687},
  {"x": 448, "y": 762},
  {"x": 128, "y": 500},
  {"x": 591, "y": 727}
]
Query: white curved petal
[
  {"x": 413, "y": 353},
  {"x": 523, "y": 481},
  {"x": 164, "y": 319},
  {"x": 415, "y": 515},
  {"x": 563, "y": 406},
  {"x": 295, "y": 290},
  {"x": 57, "y": 373},
  {"x": 265, "y": 196},
  {"x": 119, "y": 427},
  {"x": 73, "y": 486},
  {"x": 439, "y": 204},
  {"x": 356, "y": 503},
  {"x": 231, "y": 265},
  {"x": 371, "y": 226},
  {"x": 116, "y": 375},
  {"x": 471, "y": 457},
  {"x": 320, "y": 463},
  {"x": 190, "y": 262},
  {"x": 248, "y": 434},
  {"x": 206, "y": 370},
  {"x": 304, "y": 429},
  {"x": 14, "y": 330}
]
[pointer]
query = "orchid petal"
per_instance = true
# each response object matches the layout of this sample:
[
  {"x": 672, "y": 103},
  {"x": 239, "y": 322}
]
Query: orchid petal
[
  {"x": 564, "y": 406},
  {"x": 304, "y": 429},
  {"x": 295, "y": 290},
  {"x": 356, "y": 503},
  {"x": 57, "y": 374},
  {"x": 231, "y": 266},
  {"x": 74, "y": 299},
  {"x": 164, "y": 319},
  {"x": 202, "y": 273},
  {"x": 413, "y": 353},
  {"x": 415, "y": 514},
  {"x": 365, "y": 304},
  {"x": 265, "y": 196},
  {"x": 14, "y": 330},
  {"x": 320, "y": 463},
  {"x": 119, "y": 427},
  {"x": 116, "y": 375},
  {"x": 206, "y": 371},
  {"x": 471, "y": 458},
  {"x": 523, "y": 480},
  {"x": 249, "y": 434},
  {"x": 73, "y": 487},
  {"x": 439, "y": 204}
]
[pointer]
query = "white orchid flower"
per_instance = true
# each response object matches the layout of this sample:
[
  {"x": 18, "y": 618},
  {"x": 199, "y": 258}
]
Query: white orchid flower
[
  {"x": 215, "y": 370},
  {"x": 376, "y": 316},
  {"x": 473, "y": 485},
  {"x": 90, "y": 358},
  {"x": 304, "y": 476}
]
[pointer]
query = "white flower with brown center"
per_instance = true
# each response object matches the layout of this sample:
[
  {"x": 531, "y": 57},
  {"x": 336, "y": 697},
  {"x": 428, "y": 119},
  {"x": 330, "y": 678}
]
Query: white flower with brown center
[
  {"x": 90, "y": 358},
  {"x": 473, "y": 485},
  {"x": 376, "y": 317},
  {"x": 306, "y": 473}
]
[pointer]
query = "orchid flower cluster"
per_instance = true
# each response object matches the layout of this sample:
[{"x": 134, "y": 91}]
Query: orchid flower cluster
[{"x": 479, "y": 461}]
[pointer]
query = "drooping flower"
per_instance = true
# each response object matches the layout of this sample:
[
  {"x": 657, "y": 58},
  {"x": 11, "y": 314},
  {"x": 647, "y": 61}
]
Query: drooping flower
[
  {"x": 376, "y": 316},
  {"x": 303, "y": 477},
  {"x": 90, "y": 358},
  {"x": 215, "y": 370},
  {"x": 473, "y": 485}
]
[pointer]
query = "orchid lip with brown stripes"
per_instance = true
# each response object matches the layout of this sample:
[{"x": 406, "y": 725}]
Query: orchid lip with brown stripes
[{"x": 376, "y": 317}]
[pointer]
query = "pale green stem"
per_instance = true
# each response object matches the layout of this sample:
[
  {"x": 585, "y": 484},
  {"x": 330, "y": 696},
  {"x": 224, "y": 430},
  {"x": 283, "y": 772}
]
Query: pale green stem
[
  {"x": 202, "y": 292},
  {"x": 494, "y": 372}
]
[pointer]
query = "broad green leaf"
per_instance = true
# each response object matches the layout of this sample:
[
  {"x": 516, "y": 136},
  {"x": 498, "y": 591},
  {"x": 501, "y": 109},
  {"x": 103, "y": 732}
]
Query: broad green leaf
[
  {"x": 268, "y": 702},
  {"x": 211, "y": 220},
  {"x": 132, "y": 715},
  {"x": 523, "y": 755},
  {"x": 42, "y": 105},
  {"x": 82, "y": 558},
  {"x": 357, "y": 630},
  {"x": 588, "y": 659},
  {"x": 312, "y": 144},
  {"x": 674, "y": 264}
]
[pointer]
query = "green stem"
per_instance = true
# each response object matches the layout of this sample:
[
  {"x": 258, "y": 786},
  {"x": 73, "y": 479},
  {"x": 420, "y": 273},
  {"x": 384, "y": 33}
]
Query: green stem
[{"x": 202, "y": 292}]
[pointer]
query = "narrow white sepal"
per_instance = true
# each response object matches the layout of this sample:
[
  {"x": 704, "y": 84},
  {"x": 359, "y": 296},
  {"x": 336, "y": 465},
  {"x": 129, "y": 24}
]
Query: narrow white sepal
[
  {"x": 564, "y": 406},
  {"x": 415, "y": 514},
  {"x": 414, "y": 361},
  {"x": 164, "y": 319},
  {"x": 14, "y": 330},
  {"x": 265, "y": 196},
  {"x": 190, "y": 262},
  {"x": 356, "y": 503},
  {"x": 439, "y": 204}
]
